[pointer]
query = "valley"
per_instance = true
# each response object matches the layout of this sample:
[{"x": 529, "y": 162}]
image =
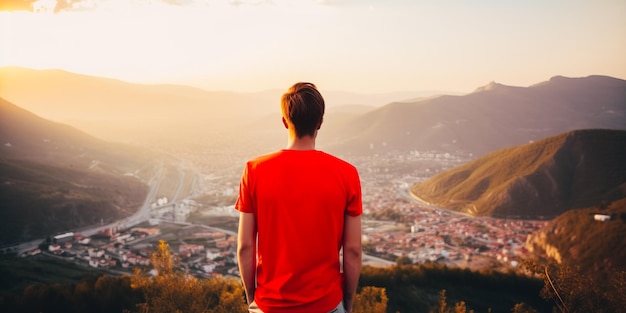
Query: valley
[
  {"x": 491, "y": 153},
  {"x": 193, "y": 211}
]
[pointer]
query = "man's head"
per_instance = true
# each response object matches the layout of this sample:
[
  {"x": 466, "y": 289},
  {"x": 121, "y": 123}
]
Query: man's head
[{"x": 303, "y": 107}]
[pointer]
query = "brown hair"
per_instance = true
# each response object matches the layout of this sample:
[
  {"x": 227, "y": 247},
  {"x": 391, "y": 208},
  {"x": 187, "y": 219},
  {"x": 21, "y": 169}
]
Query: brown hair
[{"x": 303, "y": 106}]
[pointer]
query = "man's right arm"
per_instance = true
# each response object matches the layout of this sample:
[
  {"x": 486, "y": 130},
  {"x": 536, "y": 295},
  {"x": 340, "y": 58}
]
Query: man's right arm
[
  {"x": 246, "y": 253},
  {"x": 352, "y": 254}
]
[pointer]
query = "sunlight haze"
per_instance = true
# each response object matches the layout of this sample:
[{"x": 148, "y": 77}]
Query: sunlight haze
[{"x": 358, "y": 46}]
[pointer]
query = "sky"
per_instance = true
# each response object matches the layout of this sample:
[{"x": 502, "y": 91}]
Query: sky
[{"x": 359, "y": 46}]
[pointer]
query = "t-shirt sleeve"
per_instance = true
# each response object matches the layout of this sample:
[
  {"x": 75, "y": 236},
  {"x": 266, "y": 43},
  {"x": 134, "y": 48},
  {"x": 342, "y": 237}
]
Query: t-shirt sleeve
[
  {"x": 355, "y": 201},
  {"x": 245, "y": 201}
]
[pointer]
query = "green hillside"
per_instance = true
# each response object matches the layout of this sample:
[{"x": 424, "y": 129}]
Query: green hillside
[
  {"x": 543, "y": 179},
  {"x": 56, "y": 178},
  {"x": 38, "y": 200}
]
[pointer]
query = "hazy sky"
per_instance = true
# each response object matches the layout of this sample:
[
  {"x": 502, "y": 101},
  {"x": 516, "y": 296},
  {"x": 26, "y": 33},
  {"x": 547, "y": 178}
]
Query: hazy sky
[{"x": 361, "y": 46}]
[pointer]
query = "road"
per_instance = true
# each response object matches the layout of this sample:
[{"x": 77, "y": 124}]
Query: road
[
  {"x": 181, "y": 181},
  {"x": 141, "y": 215},
  {"x": 367, "y": 259},
  {"x": 144, "y": 211}
]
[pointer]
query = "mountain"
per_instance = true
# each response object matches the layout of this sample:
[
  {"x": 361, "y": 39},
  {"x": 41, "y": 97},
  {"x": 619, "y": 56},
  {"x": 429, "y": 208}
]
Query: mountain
[
  {"x": 492, "y": 117},
  {"x": 27, "y": 136},
  {"x": 56, "y": 178},
  {"x": 121, "y": 111},
  {"x": 577, "y": 169},
  {"x": 576, "y": 239},
  {"x": 495, "y": 116},
  {"x": 114, "y": 110}
]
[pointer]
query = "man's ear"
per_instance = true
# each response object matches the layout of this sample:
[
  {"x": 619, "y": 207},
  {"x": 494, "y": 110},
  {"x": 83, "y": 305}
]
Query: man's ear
[{"x": 285, "y": 123}]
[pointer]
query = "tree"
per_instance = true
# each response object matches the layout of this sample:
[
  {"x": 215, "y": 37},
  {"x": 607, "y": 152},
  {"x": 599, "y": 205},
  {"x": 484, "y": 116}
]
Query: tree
[
  {"x": 370, "y": 300},
  {"x": 460, "y": 307},
  {"x": 523, "y": 308},
  {"x": 442, "y": 302},
  {"x": 114, "y": 294},
  {"x": 575, "y": 291},
  {"x": 172, "y": 290},
  {"x": 404, "y": 260}
]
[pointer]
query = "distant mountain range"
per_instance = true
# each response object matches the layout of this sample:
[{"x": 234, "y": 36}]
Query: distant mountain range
[
  {"x": 116, "y": 110},
  {"x": 55, "y": 178},
  {"x": 574, "y": 170},
  {"x": 25, "y": 135},
  {"x": 493, "y": 117}
]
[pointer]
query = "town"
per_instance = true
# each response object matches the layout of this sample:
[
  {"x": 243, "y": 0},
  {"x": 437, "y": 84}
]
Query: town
[
  {"x": 201, "y": 231},
  {"x": 398, "y": 226},
  {"x": 201, "y": 250}
]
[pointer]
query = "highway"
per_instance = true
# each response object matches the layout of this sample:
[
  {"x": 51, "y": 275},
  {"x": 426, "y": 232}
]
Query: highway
[
  {"x": 144, "y": 211},
  {"x": 367, "y": 257},
  {"x": 141, "y": 215}
]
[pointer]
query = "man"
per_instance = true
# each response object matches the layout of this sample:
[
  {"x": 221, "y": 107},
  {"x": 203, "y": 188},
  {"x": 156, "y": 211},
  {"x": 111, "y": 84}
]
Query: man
[{"x": 298, "y": 208}]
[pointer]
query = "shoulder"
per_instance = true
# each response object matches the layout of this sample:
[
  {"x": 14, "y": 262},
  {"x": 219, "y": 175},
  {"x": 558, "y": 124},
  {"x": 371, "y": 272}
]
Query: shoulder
[
  {"x": 336, "y": 161},
  {"x": 263, "y": 158}
]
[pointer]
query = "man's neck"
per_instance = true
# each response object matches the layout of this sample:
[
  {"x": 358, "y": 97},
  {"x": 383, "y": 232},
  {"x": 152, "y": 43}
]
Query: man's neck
[{"x": 303, "y": 143}]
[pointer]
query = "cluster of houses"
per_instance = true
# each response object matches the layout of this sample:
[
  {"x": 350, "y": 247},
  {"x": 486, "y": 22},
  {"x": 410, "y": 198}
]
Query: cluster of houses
[
  {"x": 212, "y": 253},
  {"x": 106, "y": 249},
  {"x": 441, "y": 236}
]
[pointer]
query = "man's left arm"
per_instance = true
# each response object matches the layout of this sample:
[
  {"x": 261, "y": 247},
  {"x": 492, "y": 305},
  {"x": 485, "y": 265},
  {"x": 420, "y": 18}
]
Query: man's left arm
[
  {"x": 352, "y": 258},
  {"x": 246, "y": 253}
]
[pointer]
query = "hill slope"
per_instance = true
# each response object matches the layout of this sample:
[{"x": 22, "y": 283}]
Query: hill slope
[
  {"x": 25, "y": 135},
  {"x": 55, "y": 178},
  {"x": 578, "y": 169},
  {"x": 493, "y": 117},
  {"x": 123, "y": 111},
  {"x": 576, "y": 239}
]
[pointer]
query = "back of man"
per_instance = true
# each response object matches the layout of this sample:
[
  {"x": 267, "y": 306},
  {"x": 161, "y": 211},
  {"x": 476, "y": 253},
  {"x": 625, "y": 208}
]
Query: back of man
[
  {"x": 300, "y": 199},
  {"x": 299, "y": 207}
]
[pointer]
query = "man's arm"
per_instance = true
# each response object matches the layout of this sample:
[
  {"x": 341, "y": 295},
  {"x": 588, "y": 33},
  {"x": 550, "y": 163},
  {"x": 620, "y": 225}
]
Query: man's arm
[
  {"x": 246, "y": 253},
  {"x": 352, "y": 254}
]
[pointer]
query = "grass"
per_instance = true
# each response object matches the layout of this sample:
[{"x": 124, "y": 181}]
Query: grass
[{"x": 17, "y": 273}]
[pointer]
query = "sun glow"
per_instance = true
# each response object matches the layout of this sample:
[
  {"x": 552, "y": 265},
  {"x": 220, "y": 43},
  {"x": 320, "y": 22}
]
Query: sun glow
[
  {"x": 153, "y": 42},
  {"x": 256, "y": 45}
]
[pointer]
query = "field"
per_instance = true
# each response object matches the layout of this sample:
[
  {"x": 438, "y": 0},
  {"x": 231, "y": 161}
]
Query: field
[{"x": 17, "y": 273}]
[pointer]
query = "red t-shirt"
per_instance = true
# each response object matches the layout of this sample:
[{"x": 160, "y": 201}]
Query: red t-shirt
[{"x": 299, "y": 198}]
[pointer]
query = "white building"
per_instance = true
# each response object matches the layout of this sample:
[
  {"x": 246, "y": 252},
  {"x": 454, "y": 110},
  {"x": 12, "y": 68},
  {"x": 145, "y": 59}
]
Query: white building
[
  {"x": 602, "y": 217},
  {"x": 212, "y": 254}
]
